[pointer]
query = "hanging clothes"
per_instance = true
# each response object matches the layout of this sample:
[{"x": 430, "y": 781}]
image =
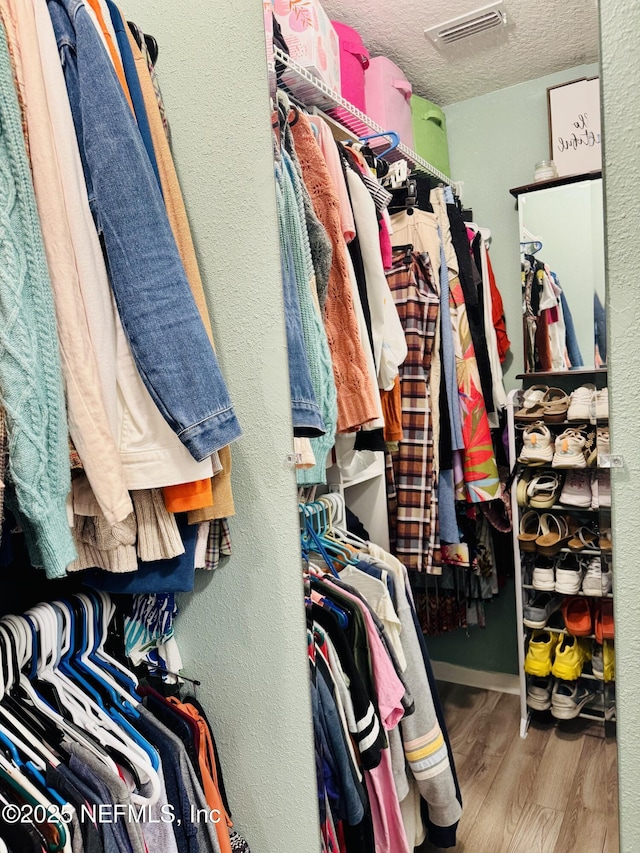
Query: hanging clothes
[
  {"x": 363, "y": 627},
  {"x": 154, "y": 780},
  {"x": 356, "y": 396},
  {"x": 414, "y": 516},
  {"x": 30, "y": 370},
  {"x": 178, "y": 355}
]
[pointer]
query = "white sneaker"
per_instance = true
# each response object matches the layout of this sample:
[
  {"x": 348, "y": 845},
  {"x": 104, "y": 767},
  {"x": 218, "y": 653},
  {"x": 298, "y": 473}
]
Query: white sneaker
[
  {"x": 596, "y": 582},
  {"x": 569, "y": 574},
  {"x": 544, "y": 576},
  {"x": 577, "y": 489},
  {"x": 581, "y": 407},
  {"x": 601, "y": 489},
  {"x": 537, "y": 448},
  {"x": 602, "y": 404},
  {"x": 570, "y": 450},
  {"x": 569, "y": 698},
  {"x": 539, "y": 693}
]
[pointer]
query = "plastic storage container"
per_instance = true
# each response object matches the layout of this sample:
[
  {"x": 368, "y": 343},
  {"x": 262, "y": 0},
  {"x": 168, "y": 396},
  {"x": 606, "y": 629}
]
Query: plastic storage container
[
  {"x": 430, "y": 133},
  {"x": 354, "y": 60},
  {"x": 311, "y": 39},
  {"x": 387, "y": 96}
]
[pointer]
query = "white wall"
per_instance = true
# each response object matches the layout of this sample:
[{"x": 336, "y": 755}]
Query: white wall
[
  {"x": 569, "y": 222},
  {"x": 243, "y": 632},
  {"x": 620, "y": 25}
]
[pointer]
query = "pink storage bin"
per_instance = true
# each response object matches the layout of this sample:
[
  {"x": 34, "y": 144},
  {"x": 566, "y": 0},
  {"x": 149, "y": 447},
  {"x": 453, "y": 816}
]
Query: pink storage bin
[
  {"x": 354, "y": 60},
  {"x": 388, "y": 98},
  {"x": 311, "y": 40}
]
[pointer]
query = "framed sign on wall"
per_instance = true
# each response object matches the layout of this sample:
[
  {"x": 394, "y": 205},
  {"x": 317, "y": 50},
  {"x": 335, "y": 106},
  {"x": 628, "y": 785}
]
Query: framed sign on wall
[{"x": 574, "y": 126}]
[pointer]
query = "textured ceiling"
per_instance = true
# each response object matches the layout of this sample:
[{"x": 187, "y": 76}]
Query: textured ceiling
[{"x": 540, "y": 38}]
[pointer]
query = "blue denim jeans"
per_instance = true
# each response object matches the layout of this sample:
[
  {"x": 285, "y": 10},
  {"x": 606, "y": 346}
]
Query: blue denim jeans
[
  {"x": 167, "y": 337},
  {"x": 305, "y": 411}
]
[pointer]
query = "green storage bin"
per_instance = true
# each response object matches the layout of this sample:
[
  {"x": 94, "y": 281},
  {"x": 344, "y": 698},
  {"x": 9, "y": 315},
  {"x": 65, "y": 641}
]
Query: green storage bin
[{"x": 430, "y": 133}]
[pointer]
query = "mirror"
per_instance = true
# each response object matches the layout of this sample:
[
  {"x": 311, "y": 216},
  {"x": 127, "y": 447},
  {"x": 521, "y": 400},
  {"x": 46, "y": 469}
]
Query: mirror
[{"x": 561, "y": 227}]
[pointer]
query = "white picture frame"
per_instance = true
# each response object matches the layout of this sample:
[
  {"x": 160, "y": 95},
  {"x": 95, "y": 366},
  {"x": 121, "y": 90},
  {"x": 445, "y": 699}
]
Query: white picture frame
[{"x": 575, "y": 142}]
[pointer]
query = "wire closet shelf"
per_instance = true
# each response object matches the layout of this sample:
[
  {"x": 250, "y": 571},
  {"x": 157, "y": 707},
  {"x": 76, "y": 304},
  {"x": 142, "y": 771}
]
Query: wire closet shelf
[{"x": 312, "y": 92}]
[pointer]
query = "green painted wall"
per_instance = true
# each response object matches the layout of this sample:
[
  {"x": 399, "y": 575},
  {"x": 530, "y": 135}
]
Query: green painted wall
[
  {"x": 243, "y": 632},
  {"x": 493, "y": 649},
  {"x": 620, "y": 25}
]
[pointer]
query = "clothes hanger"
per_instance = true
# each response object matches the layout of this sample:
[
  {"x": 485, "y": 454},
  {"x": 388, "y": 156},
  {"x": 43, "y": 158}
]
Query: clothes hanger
[
  {"x": 340, "y": 555},
  {"x": 152, "y": 47},
  {"x": 336, "y": 500},
  {"x": 109, "y": 711},
  {"x": 329, "y": 533},
  {"x": 316, "y": 543},
  {"x": 104, "y": 610},
  {"x": 89, "y": 719},
  {"x": 101, "y": 677},
  {"x": 394, "y": 140}
]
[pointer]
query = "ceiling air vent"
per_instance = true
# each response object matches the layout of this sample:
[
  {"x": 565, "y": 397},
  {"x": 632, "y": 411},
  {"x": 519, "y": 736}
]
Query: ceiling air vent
[{"x": 468, "y": 25}]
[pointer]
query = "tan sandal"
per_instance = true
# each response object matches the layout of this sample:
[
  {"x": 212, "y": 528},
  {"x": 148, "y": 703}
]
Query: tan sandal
[
  {"x": 583, "y": 538},
  {"x": 543, "y": 490},
  {"x": 604, "y": 542},
  {"x": 552, "y": 540},
  {"x": 532, "y": 407},
  {"x": 556, "y": 405},
  {"x": 530, "y": 530}
]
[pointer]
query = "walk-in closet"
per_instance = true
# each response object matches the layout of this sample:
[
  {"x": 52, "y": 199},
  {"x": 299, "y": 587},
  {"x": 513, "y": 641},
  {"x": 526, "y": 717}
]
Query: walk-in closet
[{"x": 318, "y": 450}]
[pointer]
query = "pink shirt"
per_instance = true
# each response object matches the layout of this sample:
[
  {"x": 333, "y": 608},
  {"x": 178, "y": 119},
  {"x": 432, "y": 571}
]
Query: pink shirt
[
  {"x": 330, "y": 152},
  {"x": 389, "y": 688},
  {"x": 388, "y": 826}
]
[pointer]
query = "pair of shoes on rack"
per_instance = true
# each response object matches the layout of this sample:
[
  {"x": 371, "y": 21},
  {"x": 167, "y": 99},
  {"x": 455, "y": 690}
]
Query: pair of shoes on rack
[
  {"x": 543, "y": 403},
  {"x": 569, "y": 698},
  {"x": 539, "y": 491},
  {"x": 584, "y": 618},
  {"x": 586, "y": 489},
  {"x": 573, "y": 447},
  {"x": 560, "y": 655},
  {"x": 603, "y": 660},
  {"x": 565, "y": 699},
  {"x": 546, "y": 533},
  {"x": 568, "y": 574},
  {"x": 589, "y": 404},
  {"x": 570, "y": 449}
]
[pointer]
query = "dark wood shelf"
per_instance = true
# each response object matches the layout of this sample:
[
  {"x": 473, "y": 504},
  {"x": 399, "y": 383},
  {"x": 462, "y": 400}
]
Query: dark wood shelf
[
  {"x": 582, "y": 371},
  {"x": 554, "y": 182}
]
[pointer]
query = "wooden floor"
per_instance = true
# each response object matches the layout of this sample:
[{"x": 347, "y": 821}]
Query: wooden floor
[{"x": 554, "y": 792}]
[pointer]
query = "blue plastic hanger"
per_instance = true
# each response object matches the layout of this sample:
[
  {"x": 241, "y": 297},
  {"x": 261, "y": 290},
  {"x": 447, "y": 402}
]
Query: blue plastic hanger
[
  {"x": 393, "y": 138},
  {"x": 68, "y": 666}
]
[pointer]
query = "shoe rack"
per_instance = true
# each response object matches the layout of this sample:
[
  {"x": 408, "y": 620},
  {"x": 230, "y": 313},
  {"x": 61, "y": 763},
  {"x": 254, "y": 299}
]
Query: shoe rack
[{"x": 568, "y": 628}]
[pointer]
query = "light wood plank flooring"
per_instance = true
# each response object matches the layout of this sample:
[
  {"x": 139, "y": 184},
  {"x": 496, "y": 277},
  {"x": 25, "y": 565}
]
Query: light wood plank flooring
[{"x": 554, "y": 792}]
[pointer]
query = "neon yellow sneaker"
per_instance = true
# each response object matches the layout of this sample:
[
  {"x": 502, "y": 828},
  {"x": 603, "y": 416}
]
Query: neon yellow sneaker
[
  {"x": 571, "y": 655},
  {"x": 609, "y": 657},
  {"x": 540, "y": 653}
]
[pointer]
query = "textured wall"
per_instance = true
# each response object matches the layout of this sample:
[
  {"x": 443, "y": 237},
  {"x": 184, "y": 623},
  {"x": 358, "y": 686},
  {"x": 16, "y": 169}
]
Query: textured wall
[
  {"x": 495, "y": 141},
  {"x": 620, "y": 24},
  {"x": 243, "y": 633}
]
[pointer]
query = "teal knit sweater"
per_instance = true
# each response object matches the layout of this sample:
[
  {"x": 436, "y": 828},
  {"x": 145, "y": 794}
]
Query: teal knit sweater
[
  {"x": 291, "y": 210},
  {"x": 30, "y": 374}
]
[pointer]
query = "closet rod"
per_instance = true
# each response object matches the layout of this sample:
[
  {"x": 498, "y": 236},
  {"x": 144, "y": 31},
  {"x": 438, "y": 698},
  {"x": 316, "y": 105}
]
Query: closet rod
[{"x": 314, "y": 93}]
